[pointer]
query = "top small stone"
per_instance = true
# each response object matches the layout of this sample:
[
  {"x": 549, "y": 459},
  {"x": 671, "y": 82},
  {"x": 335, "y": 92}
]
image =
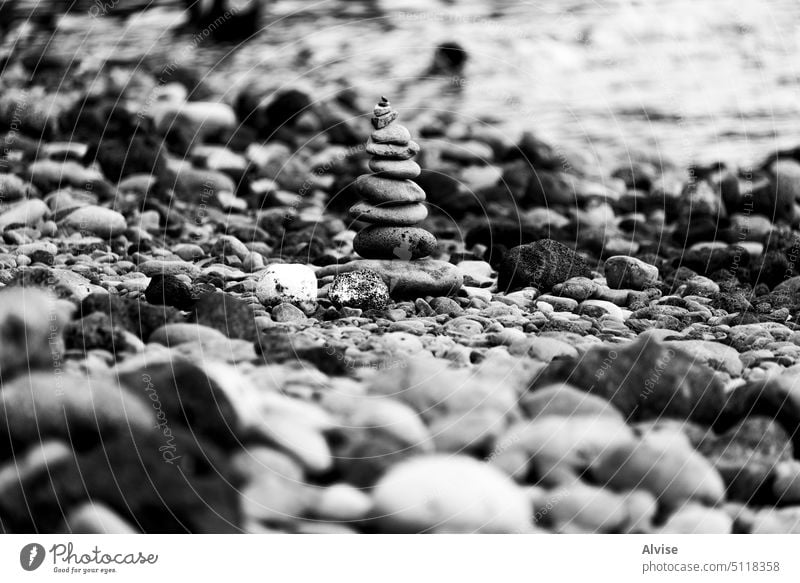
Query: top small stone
[{"x": 383, "y": 114}]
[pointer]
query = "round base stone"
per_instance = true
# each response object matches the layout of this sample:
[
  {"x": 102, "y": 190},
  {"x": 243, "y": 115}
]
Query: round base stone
[{"x": 407, "y": 279}]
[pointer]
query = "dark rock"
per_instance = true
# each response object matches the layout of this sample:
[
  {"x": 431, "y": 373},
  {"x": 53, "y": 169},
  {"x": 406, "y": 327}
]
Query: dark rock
[
  {"x": 284, "y": 110},
  {"x": 551, "y": 188},
  {"x": 196, "y": 492},
  {"x": 542, "y": 265},
  {"x": 82, "y": 411},
  {"x": 168, "y": 290},
  {"x": 225, "y": 21},
  {"x": 776, "y": 397},
  {"x": 30, "y": 331},
  {"x": 228, "y": 314},
  {"x": 119, "y": 158},
  {"x": 449, "y": 58},
  {"x": 94, "y": 331},
  {"x": 535, "y": 152},
  {"x": 778, "y": 201},
  {"x": 708, "y": 260},
  {"x": 277, "y": 345},
  {"x": 138, "y": 317},
  {"x": 362, "y": 456},
  {"x": 189, "y": 398},
  {"x": 645, "y": 379},
  {"x": 745, "y": 457}
]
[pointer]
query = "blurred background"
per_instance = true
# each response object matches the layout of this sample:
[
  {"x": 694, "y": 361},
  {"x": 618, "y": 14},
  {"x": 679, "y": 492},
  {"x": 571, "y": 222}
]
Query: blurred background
[{"x": 680, "y": 80}]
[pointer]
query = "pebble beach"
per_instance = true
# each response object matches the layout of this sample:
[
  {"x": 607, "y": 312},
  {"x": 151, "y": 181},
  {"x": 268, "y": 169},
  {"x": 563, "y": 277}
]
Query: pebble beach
[{"x": 289, "y": 308}]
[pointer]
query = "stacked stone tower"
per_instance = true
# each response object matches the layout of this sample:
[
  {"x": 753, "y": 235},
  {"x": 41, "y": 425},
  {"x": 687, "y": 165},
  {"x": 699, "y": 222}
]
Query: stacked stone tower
[{"x": 392, "y": 203}]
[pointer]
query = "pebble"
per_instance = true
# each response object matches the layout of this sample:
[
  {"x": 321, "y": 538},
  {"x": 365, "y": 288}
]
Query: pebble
[
  {"x": 180, "y": 333},
  {"x": 28, "y": 212},
  {"x": 547, "y": 349},
  {"x": 476, "y": 273},
  {"x": 666, "y": 466},
  {"x": 693, "y": 518},
  {"x": 95, "y": 408},
  {"x": 443, "y": 494},
  {"x": 169, "y": 290},
  {"x": 96, "y": 518},
  {"x": 623, "y": 272},
  {"x": 576, "y": 288},
  {"x": 553, "y": 449},
  {"x": 716, "y": 355},
  {"x": 288, "y": 282},
  {"x": 644, "y": 379},
  {"x": 342, "y": 503},
  {"x": 30, "y": 324},
  {"x": 96, "y": 220},
  {"x": 286, "y": 313},
  {"x": 155, "y": 267}
]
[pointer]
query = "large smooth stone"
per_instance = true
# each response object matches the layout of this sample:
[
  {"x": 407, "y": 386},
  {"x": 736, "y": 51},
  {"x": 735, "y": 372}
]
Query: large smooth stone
[
  {"x": 30, "y": 326},
  {"x": 29, "y": 213},
  {"x": 13, "y": 187},
  {"x": 97, "y": 220},
  {"x": 378, "y": 190},
  {"x": 419, "y": 278},
  {"x": 624, "y": 272},
  {"x": 180, "y": 333},
  {"x": 69, "y": 406},
  {"x": 666, "y": 465},
  {"x": 442, "y": 494},
  {"x": 393, "y": 151},
  {"x": 580, "y": 508},
  {"x": 385, "y": 214},
  {"x": 552, "y": 448},
  {"x": 201, "y": 187},
  {"x": 563, "y": 400},
  {"x": 201, "y": 118},
  {"x": 404, "y": 243},
  {"x": 396, "y": 169},
  {"x": 746, "y": 457},
  {"x": 96, "y": 518},
  {"x": 393, "y": 134},
  {"x": 644, "y": 379}
]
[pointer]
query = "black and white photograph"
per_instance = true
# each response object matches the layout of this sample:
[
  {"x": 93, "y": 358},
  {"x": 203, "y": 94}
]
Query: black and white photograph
[{"x": 382, "y": 267}]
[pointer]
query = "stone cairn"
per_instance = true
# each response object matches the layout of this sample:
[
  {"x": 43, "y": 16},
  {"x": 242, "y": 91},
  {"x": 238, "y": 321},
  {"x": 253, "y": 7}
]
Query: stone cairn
[{"x": 392, "y": 203}]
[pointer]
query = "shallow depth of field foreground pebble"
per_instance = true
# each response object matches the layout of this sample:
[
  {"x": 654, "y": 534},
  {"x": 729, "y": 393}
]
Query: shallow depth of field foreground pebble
[{"x": 189, "y": 341}]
